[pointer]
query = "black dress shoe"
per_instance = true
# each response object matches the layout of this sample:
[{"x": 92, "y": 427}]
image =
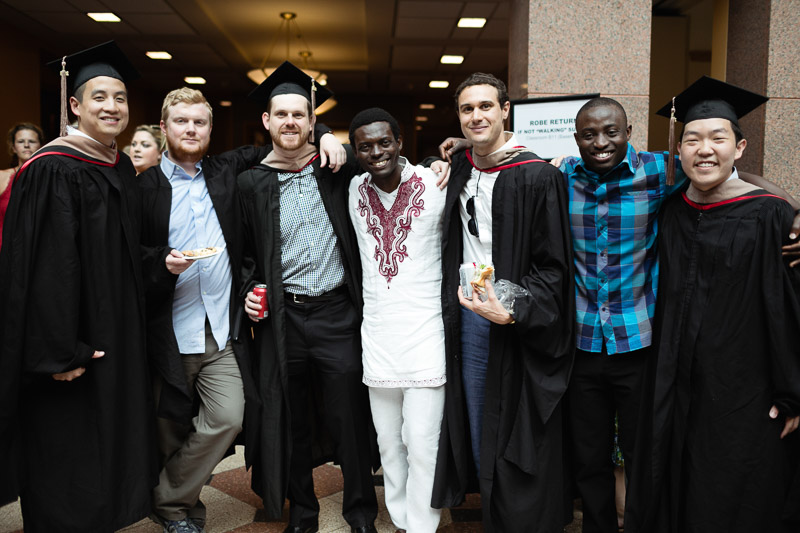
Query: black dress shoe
[
  {"x": 300, "y": 529},
  {"x": 364, "y": 529}
]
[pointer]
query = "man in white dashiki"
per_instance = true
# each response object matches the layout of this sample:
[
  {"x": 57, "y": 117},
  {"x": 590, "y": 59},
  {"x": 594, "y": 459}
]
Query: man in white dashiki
[{"x": 396, "y": 209}]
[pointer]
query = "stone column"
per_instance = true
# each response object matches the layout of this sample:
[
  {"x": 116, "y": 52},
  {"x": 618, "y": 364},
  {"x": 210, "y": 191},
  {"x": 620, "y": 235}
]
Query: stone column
[
  {"x": 560, "y": 47},
  {"x": 763, "y": 52}
]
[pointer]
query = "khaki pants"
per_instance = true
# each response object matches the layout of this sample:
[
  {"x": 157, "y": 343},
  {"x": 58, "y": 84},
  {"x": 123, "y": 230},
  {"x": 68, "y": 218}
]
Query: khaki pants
[{"x": 192, "y": 453}]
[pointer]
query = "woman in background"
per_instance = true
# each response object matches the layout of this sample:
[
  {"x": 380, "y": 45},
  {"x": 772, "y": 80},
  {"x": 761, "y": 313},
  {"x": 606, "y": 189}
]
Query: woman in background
[
  {"x": 23, "y": 140},
  {"x": 146, "y": 147}
]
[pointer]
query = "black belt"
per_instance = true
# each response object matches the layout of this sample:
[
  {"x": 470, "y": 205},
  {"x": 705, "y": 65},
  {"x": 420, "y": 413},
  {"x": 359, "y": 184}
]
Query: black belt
[{"x": 304, "y": 299}]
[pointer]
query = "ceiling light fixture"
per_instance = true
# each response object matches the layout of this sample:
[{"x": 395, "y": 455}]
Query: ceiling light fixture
[
  {"x": 104, "y": 17},
  {"x": 158, "y": 54},
  {"x": 465, "y": 22},
  {"x": 195, "y": 80},
  {"x": 225, "y": 103},
  {"x": 427, "y": 106},
  {"x": 287, "y": 28},
  {"x": 451, "y": 60},
  {"x": 439, "y": 84},
  {"x": 421, "y": 118}
]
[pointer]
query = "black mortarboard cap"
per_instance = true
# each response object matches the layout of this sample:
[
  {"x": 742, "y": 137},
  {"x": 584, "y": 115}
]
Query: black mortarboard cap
[
  {"x": 102, "y": 60},
  {"x": 76, "y": 69},
  {"x": 288, "y": 79},
  {"x": 711, "y": 98},
  {"x": 707, "y": 98}
]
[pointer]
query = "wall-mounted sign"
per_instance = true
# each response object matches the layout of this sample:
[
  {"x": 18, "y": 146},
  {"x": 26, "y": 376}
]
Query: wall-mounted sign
[{"x": 547, "y": 125}]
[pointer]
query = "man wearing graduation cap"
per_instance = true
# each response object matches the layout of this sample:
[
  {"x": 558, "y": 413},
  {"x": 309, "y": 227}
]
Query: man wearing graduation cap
[
  {"x": 308, "y": 351},
  {"x": 76, "y": 424},
  {"x": 724, "y": 394}
]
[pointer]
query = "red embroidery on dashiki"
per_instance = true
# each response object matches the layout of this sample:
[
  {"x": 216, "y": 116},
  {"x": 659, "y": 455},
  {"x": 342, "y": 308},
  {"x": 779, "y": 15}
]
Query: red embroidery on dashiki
[{"x": 390, "y": 228}]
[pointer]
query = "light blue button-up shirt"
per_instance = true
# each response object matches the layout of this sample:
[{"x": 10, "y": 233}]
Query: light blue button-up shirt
[{"x": 203, "y": 289}]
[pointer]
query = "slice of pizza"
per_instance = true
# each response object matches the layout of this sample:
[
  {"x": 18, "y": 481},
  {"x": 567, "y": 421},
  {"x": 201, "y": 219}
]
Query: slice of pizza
[{"x": 201, "y": 253}]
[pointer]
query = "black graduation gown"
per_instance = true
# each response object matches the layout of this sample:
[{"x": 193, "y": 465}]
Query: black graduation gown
[
  {"x": 175, "y": 400},
  {"x": 728, "y": 338},
  {"x": 82, "y": 453},
  {"x": 529, "y": 361},
  {"x": 269, "y": 450}
]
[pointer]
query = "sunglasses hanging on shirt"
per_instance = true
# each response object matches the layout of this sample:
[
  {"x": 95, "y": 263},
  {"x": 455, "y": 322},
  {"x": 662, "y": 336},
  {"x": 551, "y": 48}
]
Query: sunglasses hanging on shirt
[{"x": 472, "y": 223}]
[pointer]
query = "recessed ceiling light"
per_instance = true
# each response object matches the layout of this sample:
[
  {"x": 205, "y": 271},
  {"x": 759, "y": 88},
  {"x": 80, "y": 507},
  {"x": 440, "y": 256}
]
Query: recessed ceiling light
[
  {"x": 195, "y": 80},
  {"x": 421, "y": 118},
  {"x": 418, "y": 127},
  {"x": 471, "y": 22},
  {"x": 452, "y": 60},
  {"x": 225, "y": 103},
  {"x": 439, "y": 84},
  {"x": 104, "y": 17},
  {"x": 160, "y": 54},
  {"x": 427, "y": 106}
]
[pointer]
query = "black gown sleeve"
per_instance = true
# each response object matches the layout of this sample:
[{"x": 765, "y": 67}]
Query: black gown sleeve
[
  {"x": 46, "y": 265},
  {"x": 158, "y": 281},
  {"x": 242, "y": 158},
  {"x": 248, "y": 275},
  {"x": 782, "y": 311},
  {"x": 544, "y": 318}
]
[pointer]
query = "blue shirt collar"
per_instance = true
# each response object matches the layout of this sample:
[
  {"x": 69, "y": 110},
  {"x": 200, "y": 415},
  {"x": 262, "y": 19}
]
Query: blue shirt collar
[{"x": 170, "y": 169}]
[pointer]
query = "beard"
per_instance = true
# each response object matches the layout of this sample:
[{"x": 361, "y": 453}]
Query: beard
[
  {"x": 299, "y": 141},
  {"x": 178, "y": 153}
]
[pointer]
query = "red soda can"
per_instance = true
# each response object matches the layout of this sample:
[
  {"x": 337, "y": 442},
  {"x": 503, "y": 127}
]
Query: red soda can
[{"x": 261, "y": 290}]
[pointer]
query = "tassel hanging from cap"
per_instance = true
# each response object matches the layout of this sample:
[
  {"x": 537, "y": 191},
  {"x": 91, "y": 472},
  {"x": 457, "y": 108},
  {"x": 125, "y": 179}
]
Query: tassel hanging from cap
[
  {"x": 63, "y": 122},
  {"x": 671, "y": 142},
  {"x": 313, "y": 107}
]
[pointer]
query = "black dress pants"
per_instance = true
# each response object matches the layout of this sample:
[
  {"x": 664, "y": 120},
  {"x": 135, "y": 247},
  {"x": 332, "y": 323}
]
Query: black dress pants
[
  {"x": 324, "y": 337},
  {"x": 601, "y": 386}
]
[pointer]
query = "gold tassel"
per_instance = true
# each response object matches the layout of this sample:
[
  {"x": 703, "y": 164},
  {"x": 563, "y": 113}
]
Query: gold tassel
[
  {"x": 64, "y": 74},
  {"x": 671, "y": 142},
  {"x": 313, "y": 107}
]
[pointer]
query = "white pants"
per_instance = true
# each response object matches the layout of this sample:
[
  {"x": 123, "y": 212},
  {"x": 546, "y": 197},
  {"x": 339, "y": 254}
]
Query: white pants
[{"x": 408, "y": 422}]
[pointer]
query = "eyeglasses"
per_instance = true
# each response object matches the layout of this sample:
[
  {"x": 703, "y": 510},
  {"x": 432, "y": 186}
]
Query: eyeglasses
[{"x": 472, "y": 223}]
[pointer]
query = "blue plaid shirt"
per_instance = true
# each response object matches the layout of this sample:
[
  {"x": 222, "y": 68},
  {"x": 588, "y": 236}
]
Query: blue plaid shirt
[
  {"x": 614, "y": 221},
  {"x": 310, "y": 255}
]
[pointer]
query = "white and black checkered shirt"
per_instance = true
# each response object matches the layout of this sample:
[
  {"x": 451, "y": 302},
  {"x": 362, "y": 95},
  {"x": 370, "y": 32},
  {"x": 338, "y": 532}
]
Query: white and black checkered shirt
[{"x": 310, "y": 256}]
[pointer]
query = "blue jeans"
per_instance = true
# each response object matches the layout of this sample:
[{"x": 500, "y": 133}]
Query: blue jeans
[{"x": 475, "y": 359}]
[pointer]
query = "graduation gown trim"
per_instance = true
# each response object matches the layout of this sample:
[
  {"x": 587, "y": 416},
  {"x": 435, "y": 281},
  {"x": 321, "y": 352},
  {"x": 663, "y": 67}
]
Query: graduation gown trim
[
  {"x": 706, "y": 207},
  {"x": 65, "y": 154}
]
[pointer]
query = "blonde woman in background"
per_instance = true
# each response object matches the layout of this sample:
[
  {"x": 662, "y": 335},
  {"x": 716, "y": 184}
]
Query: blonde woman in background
[{"x": 146, "y": 147}]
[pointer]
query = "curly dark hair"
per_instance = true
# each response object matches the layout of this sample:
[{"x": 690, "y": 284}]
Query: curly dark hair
[
  {"x": 601, "y": 101},
  {"x": 373, "y": 114},
  {"x": 481, "y": 78}
]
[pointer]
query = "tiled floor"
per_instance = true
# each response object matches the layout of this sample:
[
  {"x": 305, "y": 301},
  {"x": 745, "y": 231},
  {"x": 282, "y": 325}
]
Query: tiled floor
[{"x": 233, "y": 507}]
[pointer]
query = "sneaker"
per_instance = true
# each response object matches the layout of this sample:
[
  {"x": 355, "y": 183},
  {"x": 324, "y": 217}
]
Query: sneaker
[
  {"x": 180, "y": 526},
  {"x": 199, "y": 524}
]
